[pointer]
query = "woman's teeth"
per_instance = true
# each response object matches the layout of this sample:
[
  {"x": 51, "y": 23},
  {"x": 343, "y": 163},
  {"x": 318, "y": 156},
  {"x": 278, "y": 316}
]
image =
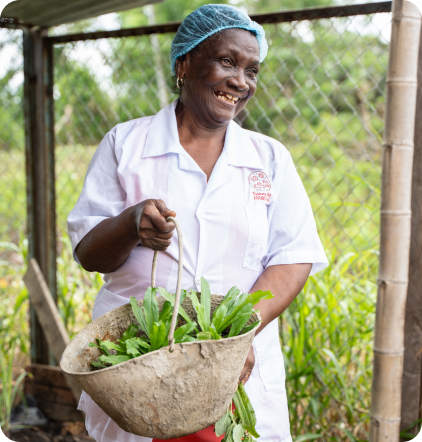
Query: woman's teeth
[{"x": 226, "y": 97}]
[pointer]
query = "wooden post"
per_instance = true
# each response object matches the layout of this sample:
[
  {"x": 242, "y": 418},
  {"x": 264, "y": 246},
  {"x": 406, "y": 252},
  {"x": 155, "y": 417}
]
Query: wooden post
[
  {"x": 412, "y": 372},
  {"x": 49, "y": 317},
  {"x": 395, "y": 222},
  {"x": 39, "y": 140}
]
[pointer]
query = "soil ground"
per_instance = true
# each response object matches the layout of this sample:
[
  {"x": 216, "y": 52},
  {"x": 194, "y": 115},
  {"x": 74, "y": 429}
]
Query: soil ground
[{"x": 52, "y": 432}]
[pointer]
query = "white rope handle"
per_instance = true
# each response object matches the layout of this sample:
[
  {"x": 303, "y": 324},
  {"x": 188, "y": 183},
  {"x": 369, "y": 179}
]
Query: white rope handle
[{"x": 179, "y": 280}]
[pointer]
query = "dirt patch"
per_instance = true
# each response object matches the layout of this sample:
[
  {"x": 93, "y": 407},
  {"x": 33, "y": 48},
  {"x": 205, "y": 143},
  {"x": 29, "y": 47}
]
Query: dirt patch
[{"x": 52, "y": 432}]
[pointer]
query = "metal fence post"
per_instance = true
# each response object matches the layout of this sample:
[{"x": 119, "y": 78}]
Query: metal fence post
[{"x": 39, "y": 140}]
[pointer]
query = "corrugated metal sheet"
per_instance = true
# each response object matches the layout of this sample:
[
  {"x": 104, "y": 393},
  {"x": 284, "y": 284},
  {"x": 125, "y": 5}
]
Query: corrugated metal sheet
[{"x": 57, "y": 12}]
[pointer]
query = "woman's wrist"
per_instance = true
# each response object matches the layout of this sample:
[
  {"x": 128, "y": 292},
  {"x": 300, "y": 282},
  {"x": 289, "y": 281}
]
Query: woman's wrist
[{"x": 131, "y": 218}]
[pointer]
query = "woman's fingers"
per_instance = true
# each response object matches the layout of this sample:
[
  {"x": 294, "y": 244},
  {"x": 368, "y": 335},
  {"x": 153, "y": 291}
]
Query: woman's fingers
[
  {"x": 155, "y": 231},
  {"x": 248, "y": 367}
]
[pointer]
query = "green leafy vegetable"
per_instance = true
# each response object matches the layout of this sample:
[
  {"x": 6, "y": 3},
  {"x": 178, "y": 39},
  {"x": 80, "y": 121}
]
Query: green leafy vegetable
[
  {"x": 223, "y": 424},
  {"x": 239, "y": 424}
]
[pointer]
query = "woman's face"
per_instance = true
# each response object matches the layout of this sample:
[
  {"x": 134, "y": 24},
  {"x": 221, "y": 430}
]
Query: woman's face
[{"x": 220, "y": 77}]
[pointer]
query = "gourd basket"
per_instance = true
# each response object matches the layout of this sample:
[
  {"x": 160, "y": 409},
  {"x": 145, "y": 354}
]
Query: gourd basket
[{"x": 163, "y": 394}]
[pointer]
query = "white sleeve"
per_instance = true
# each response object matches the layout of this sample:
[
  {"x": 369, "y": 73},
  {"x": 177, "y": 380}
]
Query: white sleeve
[
  {"x": 102, "y": 195},
  {"x": 293, "y": 237}
]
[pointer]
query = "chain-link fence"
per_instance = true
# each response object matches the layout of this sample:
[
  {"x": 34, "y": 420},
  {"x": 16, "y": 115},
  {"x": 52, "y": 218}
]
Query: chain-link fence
[
  {"x": 13, "y": 318},
  {"x": 12, "y": 138},
  {"x": 322, "y": 94}
]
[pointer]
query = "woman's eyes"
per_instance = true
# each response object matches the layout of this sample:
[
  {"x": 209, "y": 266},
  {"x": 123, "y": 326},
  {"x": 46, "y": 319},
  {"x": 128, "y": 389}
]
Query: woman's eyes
[{"x": 251, "y": 72}]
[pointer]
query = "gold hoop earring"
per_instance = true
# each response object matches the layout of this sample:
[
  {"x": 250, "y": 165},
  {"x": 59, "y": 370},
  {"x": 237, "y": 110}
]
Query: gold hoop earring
[{"x": 179, "y": 83}]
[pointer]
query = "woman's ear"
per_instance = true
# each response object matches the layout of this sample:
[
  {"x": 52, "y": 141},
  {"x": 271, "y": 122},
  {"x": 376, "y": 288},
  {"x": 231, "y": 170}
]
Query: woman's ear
[{"x": 181, "y": 66}]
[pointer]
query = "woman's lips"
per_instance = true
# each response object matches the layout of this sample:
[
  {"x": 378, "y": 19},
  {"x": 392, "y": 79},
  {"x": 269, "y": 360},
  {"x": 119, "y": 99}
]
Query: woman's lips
[{"x": 226, "y": 98}]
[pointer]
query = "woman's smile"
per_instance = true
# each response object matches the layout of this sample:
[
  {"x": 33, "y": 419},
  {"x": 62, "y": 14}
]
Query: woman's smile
[{"x": 226, "y": 98}]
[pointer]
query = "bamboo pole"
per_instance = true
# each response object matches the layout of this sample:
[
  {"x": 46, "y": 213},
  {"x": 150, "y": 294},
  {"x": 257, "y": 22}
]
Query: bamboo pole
[
  {"x": 395, "y": 222},
  {"x": 411, "y": 392}
]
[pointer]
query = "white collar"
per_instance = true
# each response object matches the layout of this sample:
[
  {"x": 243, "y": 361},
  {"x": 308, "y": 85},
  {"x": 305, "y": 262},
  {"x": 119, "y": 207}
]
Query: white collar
[{"x": 163, "y": 138}]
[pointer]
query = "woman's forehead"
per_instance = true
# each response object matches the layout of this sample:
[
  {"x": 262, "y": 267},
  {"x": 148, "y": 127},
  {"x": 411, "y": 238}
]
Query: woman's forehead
[{"x": 236, "y": 41}]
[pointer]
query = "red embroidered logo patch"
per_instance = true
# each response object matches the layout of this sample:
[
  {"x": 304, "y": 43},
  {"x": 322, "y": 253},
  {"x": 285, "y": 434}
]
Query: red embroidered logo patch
[{"x": 260, "y": 181}]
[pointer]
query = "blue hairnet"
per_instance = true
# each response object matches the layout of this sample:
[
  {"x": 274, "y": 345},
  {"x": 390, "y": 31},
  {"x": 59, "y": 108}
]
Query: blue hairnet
[{"x": 206, "y": 21}]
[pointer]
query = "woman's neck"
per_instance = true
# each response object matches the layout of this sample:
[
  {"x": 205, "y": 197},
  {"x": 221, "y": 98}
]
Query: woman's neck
[{"x": 202, "y": 143}]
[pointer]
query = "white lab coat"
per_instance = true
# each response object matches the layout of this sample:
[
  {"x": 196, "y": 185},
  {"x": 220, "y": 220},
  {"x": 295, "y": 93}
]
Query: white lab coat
[{"x": 253, "y": 213}]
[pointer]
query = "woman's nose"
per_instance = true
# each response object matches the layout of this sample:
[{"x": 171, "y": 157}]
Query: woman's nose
[{"x": 238, "y": 80}]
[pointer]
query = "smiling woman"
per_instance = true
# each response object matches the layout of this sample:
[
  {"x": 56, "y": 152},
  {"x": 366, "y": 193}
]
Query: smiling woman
[{"x": 237, "y": 195}]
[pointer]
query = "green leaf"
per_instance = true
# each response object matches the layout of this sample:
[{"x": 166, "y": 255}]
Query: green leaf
[
  {"x": 238, "y": 325},
  {"x": 245, "y": 410},
  {"x": 170, "y": 297},
  {"x": 130, "y": 333},
  {"x": 200, "y": 311},
  {"x": 204, "y": 336},
  {"x": 166, "y": 312},
  {"x": 98, "y": 364},
  {"x": 238, "y": 433},
  {"x": 139, "y": 315},
  {"x": 113, "y": 346},
  {"x": 133, "y": 352},
  {"x": 219, "y": 316},
  {"x": 114, "y": 360},
  {"x": 254, "y": 298},
  {"x": 238, "y": 312},
  {"x": 250, "y": 327},
  {"x": 206, "y": 300},
  {"x": 158, "y": 336},
  {"x": 214, "y": 333},
  {"x": 150, "y": 309},
  {"x": 138, "y": 343},
  {"x": 252, "y": 431},
  {"x": 222, "y": 425},
  {"x": 103, "y": 348},
  {"x": 183, "y": 294},
  {"x": 182, "y": 331},
  {"x": 229, "y": 434}
]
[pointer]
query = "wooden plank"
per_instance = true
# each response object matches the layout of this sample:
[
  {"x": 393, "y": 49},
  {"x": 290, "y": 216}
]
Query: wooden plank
[
  {"x": 47, "y": 375},
  {"x": 49, "y": 317},
  {"x": 60, "y": 412},
  {"x": 412, "y": 371},
  {"x": 50, "y": 393}
]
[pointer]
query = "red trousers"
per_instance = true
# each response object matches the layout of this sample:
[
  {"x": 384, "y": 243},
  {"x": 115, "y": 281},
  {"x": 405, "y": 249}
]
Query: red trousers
[{"x": 206, "y": 435}]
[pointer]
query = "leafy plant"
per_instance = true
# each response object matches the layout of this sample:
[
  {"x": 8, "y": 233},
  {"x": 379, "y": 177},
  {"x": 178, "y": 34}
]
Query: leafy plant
[
  {"x": 234, "y": 312},
  {"x": 9, "y": 390},
  {"x": 406, "y": 435},
  {"x": 238, "y": 424}
]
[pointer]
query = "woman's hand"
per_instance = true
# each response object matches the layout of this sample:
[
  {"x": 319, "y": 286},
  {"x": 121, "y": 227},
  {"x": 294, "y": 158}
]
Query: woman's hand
[
  {"x": 154, "y": 230},
  {"x": 249, "y": 364},
  {"x": 108, "y": 245}
]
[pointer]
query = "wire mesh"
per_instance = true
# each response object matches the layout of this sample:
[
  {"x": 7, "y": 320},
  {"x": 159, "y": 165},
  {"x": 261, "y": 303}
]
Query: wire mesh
[{"x": 13, "y": 319}]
